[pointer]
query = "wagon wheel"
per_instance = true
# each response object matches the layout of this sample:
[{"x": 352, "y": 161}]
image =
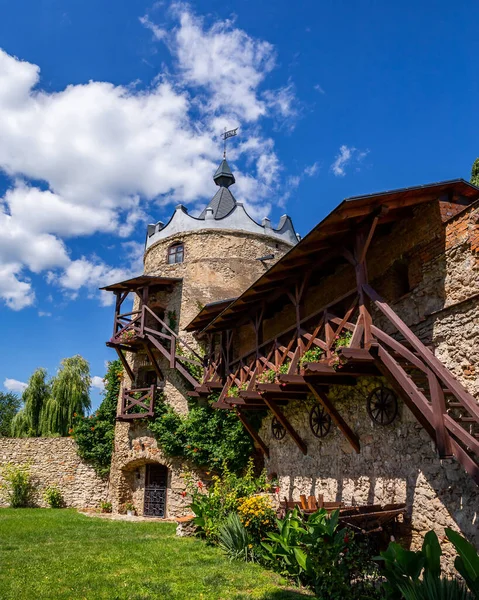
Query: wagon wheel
[
  {"x": 319, "y": 421},
  {"x": 382, "y": 405},
  {"x": 277, "y": 429}
]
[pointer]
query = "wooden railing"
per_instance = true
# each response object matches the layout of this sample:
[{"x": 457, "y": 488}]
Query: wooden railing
[
  {"x": 137, "y": 403},
  {"x": 134, "y": 328}
]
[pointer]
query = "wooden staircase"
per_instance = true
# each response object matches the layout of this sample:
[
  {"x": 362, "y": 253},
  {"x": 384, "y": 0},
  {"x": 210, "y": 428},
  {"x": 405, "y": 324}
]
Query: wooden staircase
[{"x": 438, "y": 400}]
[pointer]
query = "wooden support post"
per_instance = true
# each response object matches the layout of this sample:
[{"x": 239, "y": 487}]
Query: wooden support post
[
  {"x": 361, "y": 280},
  {"x": 154, "y": 362},
  {"x": 322, "y": 397},
  {"x": 286, "y": 424},
  {"x": 253, "y": 433},
  {"x": 443, "y": 440},
  {"x": 125, "y": 364}
]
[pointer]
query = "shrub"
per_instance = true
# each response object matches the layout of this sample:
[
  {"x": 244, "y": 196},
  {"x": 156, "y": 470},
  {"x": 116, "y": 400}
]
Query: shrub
[
  {"x": 234, "y": 540},
  {"x": 257, "y": 515},
  {"x": 318, "y": 553},
  {"x": 17, "y": 485},
  {"x": 53, "y": 497},
  {"x": 213, "y": 505},
  {"x": 94, "y": 435},
  {"x": 106, "y": 507},
  {"x": 205, "y": 436},
  {"x": 417, "y": 575}
]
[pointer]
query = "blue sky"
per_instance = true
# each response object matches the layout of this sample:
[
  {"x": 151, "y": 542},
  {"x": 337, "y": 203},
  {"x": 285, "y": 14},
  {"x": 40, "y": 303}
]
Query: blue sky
[{"x": 110, "y": 114}]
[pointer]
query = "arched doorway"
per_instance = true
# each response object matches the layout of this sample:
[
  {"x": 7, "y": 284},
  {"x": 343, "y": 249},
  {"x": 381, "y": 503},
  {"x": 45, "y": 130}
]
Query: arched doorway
[{"x": 156, "y": 482}]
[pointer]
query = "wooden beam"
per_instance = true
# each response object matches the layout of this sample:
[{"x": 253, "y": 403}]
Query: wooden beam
[
  {"x": 443, "y": 440},
  {"x": 287, "y": 425},
  {"x": 322, "y": 397},
  {"x": 405, "y": 387},
  {"x": 431, "y": 361},
  {"x": 125, "y": 364},
  {"x": 253, "y": 433},
  {"x": 153, "y": 361},
  {"x": 466, "y": 438}
]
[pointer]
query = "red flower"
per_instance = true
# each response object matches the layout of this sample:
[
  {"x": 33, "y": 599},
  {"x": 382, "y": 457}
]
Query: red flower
[
  {"x": 70, "y": 431},
  {"x": 276, "y": 489},
  {"x": 195, "y": 449},
  {"x": 346, "y": 539},
  {"x": 93, "y": 429},
  {"x": 200, "y": 485},
  {"x": 183, "y": 494}
]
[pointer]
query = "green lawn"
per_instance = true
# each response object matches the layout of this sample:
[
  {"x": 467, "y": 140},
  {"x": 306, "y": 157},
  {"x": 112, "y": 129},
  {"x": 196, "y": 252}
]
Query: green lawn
[{"x": 59, "y": 554}]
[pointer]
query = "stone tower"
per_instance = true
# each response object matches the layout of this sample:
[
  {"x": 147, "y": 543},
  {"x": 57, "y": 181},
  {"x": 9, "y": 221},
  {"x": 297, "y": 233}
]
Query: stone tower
[{"x": 189, "y": 262}]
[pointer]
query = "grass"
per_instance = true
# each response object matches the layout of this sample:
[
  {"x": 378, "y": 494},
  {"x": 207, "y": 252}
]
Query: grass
[{"x": 60, "y": 554}]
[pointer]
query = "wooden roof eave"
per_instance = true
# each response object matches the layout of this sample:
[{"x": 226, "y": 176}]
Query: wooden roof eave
[{"x": 334, "y": 226}]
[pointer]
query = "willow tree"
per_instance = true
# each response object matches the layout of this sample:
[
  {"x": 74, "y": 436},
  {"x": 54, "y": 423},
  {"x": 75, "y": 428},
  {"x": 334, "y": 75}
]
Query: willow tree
[
  {"x": 475, "y": 172},
  {"x": 70, "y": 395},
  {"x": 30, "y": 420}
]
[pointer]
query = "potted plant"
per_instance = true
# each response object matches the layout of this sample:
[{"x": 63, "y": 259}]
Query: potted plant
[{"x": 130, "y": 509}]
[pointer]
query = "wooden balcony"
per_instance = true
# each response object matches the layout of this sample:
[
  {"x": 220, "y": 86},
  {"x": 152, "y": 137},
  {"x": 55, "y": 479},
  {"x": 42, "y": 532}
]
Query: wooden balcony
[{"x": 325, "y": 349}]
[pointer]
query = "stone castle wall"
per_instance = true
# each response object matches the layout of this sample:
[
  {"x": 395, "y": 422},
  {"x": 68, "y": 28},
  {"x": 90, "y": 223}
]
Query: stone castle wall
[
  {"x": 55, "y": 461},
  {"x": 397, "y": 463},
  {"x": 217, "y": 265}
]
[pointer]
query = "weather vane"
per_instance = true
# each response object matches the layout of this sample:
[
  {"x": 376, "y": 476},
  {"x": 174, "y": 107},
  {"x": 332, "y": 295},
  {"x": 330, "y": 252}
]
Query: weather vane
[{"x": 226, "y": 135}]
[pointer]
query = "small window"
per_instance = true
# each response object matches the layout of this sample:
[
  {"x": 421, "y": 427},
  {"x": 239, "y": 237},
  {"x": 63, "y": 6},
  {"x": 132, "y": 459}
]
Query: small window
[{"x": 175, "y": 253}]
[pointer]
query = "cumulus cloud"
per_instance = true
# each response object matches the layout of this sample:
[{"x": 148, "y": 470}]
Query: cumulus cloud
[
  {"x": 347, "y": 156},
  {"x": 13, "y": 385},
  {"x": 98, "y": 383},
  {"x": 107, "y": 155}
]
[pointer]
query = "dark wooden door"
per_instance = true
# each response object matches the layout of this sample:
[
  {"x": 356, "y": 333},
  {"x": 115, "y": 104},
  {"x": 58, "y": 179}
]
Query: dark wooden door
[{"x": 155, "y": 491}]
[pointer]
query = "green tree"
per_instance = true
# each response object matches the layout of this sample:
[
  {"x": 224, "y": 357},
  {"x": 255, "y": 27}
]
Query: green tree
[
  {"x": 70, "y": 395},
  {"x": 95, "y": 434},
  {"x": 9, "y": 406},
  {"x": 475, "y": 172},
  {"x": 29, "y": 421}
]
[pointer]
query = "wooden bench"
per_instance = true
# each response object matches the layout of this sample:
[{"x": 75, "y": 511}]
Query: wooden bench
[{"x": 366, "y": 518}]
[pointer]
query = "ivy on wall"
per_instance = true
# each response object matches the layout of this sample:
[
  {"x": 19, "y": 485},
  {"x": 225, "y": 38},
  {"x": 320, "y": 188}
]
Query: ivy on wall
[{"x": 207, "y": 437}]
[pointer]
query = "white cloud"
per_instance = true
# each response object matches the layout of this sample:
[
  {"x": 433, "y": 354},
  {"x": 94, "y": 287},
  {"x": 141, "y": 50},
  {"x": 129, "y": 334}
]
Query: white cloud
[
  {"x": 346, "y": 156},
  {"x": 98, "y": 383},
  {"x": 106, "y": 155},
  {"x": 42, "y": 313},
  {"x": 311, "y": 170},
  {"x": 13, "y": 385}
]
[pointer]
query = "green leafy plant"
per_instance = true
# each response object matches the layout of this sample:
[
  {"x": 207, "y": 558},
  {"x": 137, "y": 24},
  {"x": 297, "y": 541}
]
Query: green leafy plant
[
  {"x": 343, "y": 339},
  {"x": 213, "y": 504},
  {"x": 194, "y": 369},
  {"x": 431, "y": 587},
  {"x": 94, "y": 435},
  {"x": 317, "y": 552},
  {"x": 467, "y": 561},
  {"x": 417, "y": 575},
  {"x": 205, "y": 436},
  {"x": 312, "y": 355},
  {"x": 129, "y": 507},
  {"x": 172, "y": 319},
  {"x": 106, "y": 507},
  {"x": 17, "y": 487},
  {"x": 53, "y": 497},
  {"x": 234, "y": 539},
  {"x": 267, "y": 376}
]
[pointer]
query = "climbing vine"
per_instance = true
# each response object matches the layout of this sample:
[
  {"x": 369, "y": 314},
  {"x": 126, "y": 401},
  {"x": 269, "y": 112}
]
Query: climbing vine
[{"x": 205, "y": 436}]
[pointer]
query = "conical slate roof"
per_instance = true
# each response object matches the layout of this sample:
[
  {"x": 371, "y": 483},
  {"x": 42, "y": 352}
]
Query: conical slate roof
[{"x": 222, "y": 203}]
